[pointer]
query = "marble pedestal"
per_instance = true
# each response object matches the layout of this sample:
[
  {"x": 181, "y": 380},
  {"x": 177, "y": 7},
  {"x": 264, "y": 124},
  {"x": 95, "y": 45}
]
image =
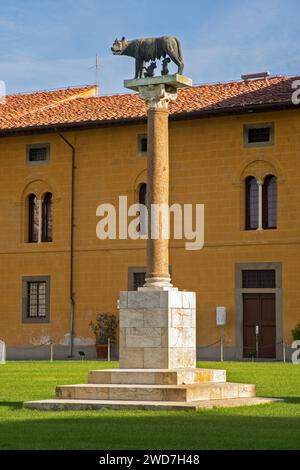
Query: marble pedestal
[
  {"x": 157, "y": 329},
  {"x": 157, "y": 363}
]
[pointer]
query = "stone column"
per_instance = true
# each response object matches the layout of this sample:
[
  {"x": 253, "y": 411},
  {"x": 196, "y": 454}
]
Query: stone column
[
  {"x": 157, "y": 99},
  {"x": 157, "y": 322},
  {"x": 260, "y": 204}
]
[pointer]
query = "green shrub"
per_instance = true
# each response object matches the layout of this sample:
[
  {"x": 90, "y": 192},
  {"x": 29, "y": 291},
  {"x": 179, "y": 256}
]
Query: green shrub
[{"x": 296, "y": 332}]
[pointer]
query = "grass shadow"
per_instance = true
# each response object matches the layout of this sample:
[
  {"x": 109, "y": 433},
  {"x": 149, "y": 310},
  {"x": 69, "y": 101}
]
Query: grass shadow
[
  {"x": 13, "y": 405},
  {"x": 224, "y": 429},
  {"x": 291, "y": 400}
]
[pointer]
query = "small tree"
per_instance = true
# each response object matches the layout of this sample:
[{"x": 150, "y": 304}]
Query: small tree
[
  {"x": 296, "y": 332},
  {"x": 105, "y": 327}
]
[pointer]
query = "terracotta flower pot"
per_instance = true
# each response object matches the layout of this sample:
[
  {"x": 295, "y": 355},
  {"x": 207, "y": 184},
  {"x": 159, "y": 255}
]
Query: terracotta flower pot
[{"x": 102, "y": 351}]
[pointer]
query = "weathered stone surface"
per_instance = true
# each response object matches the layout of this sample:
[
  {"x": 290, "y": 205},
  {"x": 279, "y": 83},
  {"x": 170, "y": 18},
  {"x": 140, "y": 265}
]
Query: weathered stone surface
[
  {"x": 143, "y": 392},
  {"x": 157, "y": 319},
  {"x": 100, "y": 376},
  {"x": 157, "y": 356},
  {"x": 156, "y": 376},
  {"x": 143, "y": 337},
  {"x": 144, "y": 299},
  {"x": 183, "y": 318},
  {"x": 131, "y": 358},
  {"x": 179, "y": 337},
  {"x": 138, "y": 377},
  {"x": 123, "y": 299},
  {"x": 188, "y": 299},
  {"x": 174, "y": 299},
  {"x": 80, "y": 405},
  {"x": 182, "y": 358},
  {"x": 131, "y": 318},
  {"x": 207, "y": 375},
  {"x": 85, "y": 392}
]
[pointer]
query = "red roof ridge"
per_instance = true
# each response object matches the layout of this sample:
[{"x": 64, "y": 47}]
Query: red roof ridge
[
  {"x": 196, "y": 85},
  {"x": 84, "y": 93},
  {"x": 52, "y": 90}
]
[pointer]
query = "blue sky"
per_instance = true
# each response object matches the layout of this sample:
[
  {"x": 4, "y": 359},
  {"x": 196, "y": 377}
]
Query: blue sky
[{"x": 51, "y": 44}]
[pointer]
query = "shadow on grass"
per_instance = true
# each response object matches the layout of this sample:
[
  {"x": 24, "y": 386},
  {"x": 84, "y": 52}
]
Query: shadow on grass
[
  {"x": 13, "y": 405},
  {"x": 291, "y": 400},
  {"x": 217, "y": 429}
]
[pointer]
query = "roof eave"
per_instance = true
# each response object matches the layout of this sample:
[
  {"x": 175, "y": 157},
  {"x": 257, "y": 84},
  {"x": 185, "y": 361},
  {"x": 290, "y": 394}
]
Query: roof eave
[{"x": 201, "y": 114}]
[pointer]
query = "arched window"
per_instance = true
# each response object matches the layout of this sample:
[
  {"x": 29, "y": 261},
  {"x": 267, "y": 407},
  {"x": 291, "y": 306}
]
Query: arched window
[
  {"x": 251, "y": 188},
  {"x": 269, "y": 202},
  {"x": 47, "y": 218},
  {"x": 33, "y": 219},
  {"x": 143, "y": 215},
  {"x": 142, "y": 193}
]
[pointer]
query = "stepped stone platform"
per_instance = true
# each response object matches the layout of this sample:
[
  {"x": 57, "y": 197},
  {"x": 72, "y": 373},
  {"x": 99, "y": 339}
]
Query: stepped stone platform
[{"x": 153, "y": 389}]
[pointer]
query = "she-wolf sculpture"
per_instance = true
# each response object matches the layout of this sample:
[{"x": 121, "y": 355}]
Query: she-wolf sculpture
[{"x": 144, "y": 50}]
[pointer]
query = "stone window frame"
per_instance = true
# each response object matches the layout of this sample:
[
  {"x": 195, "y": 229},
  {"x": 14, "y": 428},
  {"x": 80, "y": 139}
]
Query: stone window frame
[
  {"x": 38, "y": 145},
  {"x": 239, "y": 291},
  {"x": 25, "y": 280},
  {"x": 260, "y": 125},
  {"x": 140, "y": 153}
]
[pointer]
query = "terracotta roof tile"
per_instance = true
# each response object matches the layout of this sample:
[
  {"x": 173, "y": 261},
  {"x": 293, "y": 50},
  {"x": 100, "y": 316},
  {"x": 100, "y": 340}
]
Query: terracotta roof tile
[{"x": 79, "y": 105}]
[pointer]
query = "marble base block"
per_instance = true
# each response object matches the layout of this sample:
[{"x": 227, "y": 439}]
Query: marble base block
[{"x": 157, "y": 329}]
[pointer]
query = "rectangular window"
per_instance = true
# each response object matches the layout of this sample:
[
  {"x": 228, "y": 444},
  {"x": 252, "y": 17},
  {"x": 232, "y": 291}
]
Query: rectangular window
[
  {"x": 37, "y": 154},
  {"x": 36, "y": 299},
  {"x": 261, "y": 134},
  {"x": 136, "y": 277},
  {"x": 142, "y": 144},
  {"x": 138, "y": 280},
  {"x": 256, "y": 135},
  {"x": 258, "y": 279}
]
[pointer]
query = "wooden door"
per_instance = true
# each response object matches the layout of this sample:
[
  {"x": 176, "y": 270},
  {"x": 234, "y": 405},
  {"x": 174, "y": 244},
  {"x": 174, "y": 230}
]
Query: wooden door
[{"x": 259, "y": 311}]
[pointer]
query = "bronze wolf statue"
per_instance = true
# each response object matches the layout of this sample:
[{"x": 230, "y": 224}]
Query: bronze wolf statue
[{"x": 144, "y": 50}]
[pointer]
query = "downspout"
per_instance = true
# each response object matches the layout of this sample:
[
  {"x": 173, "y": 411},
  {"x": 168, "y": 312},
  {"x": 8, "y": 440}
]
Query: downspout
[{"x": 71, "y": 294}]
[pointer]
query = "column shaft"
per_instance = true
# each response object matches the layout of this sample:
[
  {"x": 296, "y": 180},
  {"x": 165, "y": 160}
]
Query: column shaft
[{"x": 157, "y": 194}]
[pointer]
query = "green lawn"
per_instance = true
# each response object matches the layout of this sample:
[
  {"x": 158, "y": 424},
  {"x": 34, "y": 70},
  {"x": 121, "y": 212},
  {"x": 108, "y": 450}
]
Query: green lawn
[{"x": 271, "y": 426}]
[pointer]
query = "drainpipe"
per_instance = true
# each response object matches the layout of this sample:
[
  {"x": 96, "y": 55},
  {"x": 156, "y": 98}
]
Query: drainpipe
[{"x": 72, "y": 301}]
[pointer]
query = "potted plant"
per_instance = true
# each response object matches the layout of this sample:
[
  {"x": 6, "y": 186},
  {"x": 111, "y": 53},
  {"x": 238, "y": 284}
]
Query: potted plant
[
  {"x": 104, "y": 329},
  {"x": 296, "y": 332}
]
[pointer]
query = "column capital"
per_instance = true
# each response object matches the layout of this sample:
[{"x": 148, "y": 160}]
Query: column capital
[{"x": 156, "y": 96}]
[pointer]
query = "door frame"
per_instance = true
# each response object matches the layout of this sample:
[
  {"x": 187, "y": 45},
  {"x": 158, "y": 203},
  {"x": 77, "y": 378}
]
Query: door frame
[{"x": 239, "y": 291}]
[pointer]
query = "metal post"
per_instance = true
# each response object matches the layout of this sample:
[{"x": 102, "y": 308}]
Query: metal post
[
  {"x": 51, "y": 351},
  {"x": 222, "y": 347},
  {"x": 108, "y": 350},
  {"x": 256, "y": 340},
  {"x": 283, "y": 351},
  {"x": 3, "y": 360}
]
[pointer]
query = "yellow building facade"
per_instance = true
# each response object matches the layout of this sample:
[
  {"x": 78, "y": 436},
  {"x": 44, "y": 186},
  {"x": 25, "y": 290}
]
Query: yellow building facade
[{"x": 210, "y": 162}]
